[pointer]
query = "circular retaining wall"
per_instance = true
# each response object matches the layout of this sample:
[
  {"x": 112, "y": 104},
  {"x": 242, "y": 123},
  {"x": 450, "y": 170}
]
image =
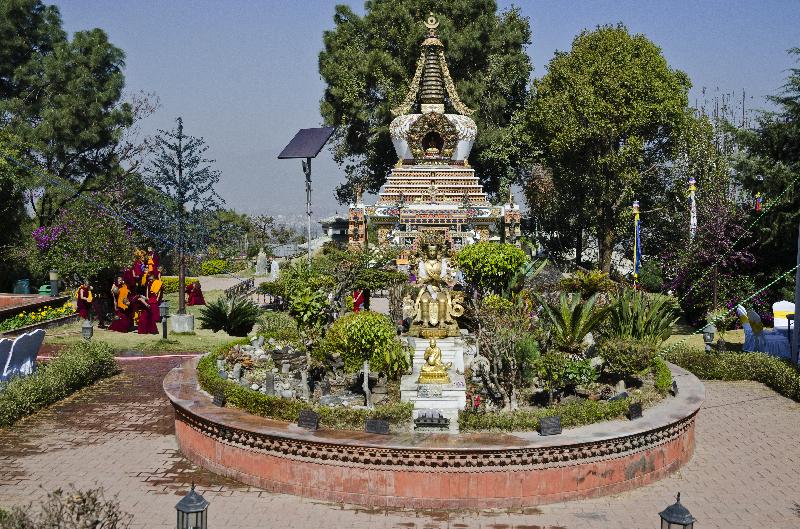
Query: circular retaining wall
[{"x": 440, "y": 471}]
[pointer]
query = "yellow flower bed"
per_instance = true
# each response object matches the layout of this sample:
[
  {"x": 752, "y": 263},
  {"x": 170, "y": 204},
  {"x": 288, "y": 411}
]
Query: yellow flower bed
[{"x": 25, "y": 318}]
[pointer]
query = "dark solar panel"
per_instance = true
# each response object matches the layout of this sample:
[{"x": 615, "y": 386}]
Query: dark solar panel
[{"x": 307, "y": 143}]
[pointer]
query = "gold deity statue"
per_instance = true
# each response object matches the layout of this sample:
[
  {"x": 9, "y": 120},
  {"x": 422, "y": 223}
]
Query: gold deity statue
[
  {"x": 436, "y": 304},
  {"x": 433, "y": 371}
]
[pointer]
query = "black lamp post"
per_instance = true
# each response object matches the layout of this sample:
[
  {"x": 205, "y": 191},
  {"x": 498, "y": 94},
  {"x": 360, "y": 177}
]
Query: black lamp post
[
  {"x": 676, "y": 516},
  {"x": 192, "y": 511},
  {"x": 163, "y": 308}
]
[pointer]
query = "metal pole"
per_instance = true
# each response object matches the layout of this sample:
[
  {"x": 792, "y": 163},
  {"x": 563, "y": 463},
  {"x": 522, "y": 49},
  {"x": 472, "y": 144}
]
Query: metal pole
[
  {"x": 307, "y": 171},
  {"x": 796, "y": 330}
]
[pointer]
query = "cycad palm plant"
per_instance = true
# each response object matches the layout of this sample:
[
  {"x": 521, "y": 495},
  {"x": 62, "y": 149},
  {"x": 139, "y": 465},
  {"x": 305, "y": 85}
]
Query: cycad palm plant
[
  {"x": 641, "y": 317},
  {"x": 570, "y": 320},
  {"x": 235, "y": 315}
]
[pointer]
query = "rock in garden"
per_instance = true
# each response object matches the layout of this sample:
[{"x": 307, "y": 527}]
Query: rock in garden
[{"x": 255, "y": 387}]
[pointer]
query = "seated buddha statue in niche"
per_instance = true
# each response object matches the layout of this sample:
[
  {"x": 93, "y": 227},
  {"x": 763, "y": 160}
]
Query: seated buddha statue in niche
[{"x": 434, "y": 371}]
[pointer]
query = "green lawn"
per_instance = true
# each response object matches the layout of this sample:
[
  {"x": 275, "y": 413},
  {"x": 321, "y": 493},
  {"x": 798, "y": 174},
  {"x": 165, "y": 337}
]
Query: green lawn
[{"x": 202, "y": 341}]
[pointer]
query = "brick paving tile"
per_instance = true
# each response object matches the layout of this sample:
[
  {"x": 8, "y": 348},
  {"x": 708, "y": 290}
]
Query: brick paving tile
[{"x": 118, "y": 434}]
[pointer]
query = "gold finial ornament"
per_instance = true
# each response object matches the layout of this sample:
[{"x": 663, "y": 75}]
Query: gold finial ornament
[{"x": 431, "y": 22}]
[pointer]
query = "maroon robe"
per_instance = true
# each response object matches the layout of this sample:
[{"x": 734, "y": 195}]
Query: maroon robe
[
  {"x": 195, "y": 294},
  {"x": 83, "y": 305},
  {"x": 122, "y": 315}
]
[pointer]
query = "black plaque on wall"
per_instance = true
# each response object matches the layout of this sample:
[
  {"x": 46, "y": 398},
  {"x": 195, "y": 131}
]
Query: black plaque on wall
[
  {"x": 308, "y": 419},
  {"x": 550, "y": 425},
  {"x": 376, "y": 426}
]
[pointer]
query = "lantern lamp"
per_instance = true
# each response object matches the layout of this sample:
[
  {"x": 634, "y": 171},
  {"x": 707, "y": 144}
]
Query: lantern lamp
[
  {"x": 708, "y": 335},
  {"x": 163, "y": 308},
  {"x": 676, "y": 516},
  {"x": 192, "y": 511},
  {"x": 87, "y": 330}
]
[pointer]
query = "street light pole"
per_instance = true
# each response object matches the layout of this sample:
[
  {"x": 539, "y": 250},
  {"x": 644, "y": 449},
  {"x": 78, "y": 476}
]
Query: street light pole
[
  {"x": 307, "y": 171},
  {"x": 796, "y": 329}
]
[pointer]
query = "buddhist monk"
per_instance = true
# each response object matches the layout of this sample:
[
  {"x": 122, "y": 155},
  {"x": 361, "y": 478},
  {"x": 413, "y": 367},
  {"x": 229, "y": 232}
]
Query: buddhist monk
[
  {"x": 195, "y": 293},
  {"x": 122, "y": 306},
  {"x": 84, "y": 300}
]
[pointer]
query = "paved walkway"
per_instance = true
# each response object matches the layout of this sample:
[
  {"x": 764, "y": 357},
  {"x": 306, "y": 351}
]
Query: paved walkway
[{"x": 118, "y": 434}]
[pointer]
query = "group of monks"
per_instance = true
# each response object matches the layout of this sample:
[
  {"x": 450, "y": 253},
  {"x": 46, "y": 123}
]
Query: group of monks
[{"x": 136, "y": 295}]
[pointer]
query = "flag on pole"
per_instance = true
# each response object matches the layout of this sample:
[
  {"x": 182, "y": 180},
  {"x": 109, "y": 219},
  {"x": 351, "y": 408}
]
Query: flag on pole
[
  {"x": 692, "y": 208},
  {"x": 637, "y": 245}
]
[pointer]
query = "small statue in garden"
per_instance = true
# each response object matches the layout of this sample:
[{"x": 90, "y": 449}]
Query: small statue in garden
[{"x": 433, "y": 371}]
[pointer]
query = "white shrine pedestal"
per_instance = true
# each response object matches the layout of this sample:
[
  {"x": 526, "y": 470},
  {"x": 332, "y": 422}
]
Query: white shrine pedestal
[{"x": 447, "y": 399}]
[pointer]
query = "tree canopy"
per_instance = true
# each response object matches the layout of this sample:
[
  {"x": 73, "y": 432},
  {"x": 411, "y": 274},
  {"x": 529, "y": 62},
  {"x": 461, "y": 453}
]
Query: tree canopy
[
  {"x": 61, "y": 98},
  {"x": 368, "y": 62},
  {"x": 604, "y": 116}
]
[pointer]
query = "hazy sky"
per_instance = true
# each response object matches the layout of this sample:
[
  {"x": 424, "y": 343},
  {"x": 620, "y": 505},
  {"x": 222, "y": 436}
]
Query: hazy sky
[{"x": 243, "y": 74}]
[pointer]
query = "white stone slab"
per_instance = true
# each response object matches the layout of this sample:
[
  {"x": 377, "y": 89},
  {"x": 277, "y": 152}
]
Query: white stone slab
[
  {"x": 5, "y": 356},
  {"x": 434, "y": 396},
  {"x": 22, "y": 360}
]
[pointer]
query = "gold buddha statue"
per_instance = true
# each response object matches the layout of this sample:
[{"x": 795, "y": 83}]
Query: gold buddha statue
[
  {"x": 436, "y": 305},
  {"x": 433, "y": 371}
]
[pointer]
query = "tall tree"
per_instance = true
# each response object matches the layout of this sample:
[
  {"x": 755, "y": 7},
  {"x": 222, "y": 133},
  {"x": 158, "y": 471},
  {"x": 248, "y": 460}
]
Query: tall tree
[
  {"x": 62, "y": 99},
  {"x": 368, "y": 62},
  {"x": 772, "y": 151},
  {"x": 184, "y": 180},
  {"x": 601, "y": 119}
]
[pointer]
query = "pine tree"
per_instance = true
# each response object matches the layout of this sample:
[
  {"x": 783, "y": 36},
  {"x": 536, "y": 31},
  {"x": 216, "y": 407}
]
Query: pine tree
[{"x": 184, "y": 180}]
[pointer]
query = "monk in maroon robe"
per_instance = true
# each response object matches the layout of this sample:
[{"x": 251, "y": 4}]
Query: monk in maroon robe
[
  {"x": 195, "y": 293},
  {"x": 84, "y": 300},
  {"x": 155, "y": 294},
  {"x": 122, "y": 307}
]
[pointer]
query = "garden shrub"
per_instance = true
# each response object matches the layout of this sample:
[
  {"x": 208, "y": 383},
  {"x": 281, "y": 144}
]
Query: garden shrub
[
  {"x": 559, "y": 371},
  {"x": 572, "y": 414},
  {"x": 489, "y": 266},
  {"x": 70, "y": 509},
  {"x": 627, "y": 357},
  {"x": 77, "y": 366},
  {"x": 662, "y": 376},
  {"x": 170, "y": 284},
  {"x": 588, "y": 283},
  {"x": 366, "y": 335},
  {"x": 776, "y": 373},
  {"x": 233, "y": 314},
  {"x": 634, "y": 314},
  {"x": 398, "y": 414},
  {"x": 213, "y": 267},
  {"x": 279, "y": 326}
]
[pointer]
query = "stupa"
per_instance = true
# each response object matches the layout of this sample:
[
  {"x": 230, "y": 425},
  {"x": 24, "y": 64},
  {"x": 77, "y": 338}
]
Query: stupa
[{"x": 432, "y": 187}]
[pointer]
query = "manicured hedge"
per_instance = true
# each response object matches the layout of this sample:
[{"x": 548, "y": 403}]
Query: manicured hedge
[
  {"x": 572, "y": 414},
  {"x": 776, "y": 373},
  {"x": 170, "y": 284},
  {"x": 397, "y": 414},
  {"x": 78, "y": 366},
  {"x": 662, "y": 376}
]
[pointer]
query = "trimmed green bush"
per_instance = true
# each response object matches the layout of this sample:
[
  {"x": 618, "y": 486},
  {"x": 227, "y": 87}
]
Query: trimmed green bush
[
  {"x": 213, "y": 267},
  {"x": 366, "y": 335},
  {"x": 776, "y": 373},
  {"x": 490, "y": 266},
  {"x": 662, "y": 376},
  {"x": 170, "y": 284},
  {"x": 572, "y": 414},
  {"x": 397, "y": 414},
  {"x": 78, "y": 366},
  {"x": 279, "y": 326},
  {"x": 588, "y": 283},
  {"x": 627, "y": 357}
]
